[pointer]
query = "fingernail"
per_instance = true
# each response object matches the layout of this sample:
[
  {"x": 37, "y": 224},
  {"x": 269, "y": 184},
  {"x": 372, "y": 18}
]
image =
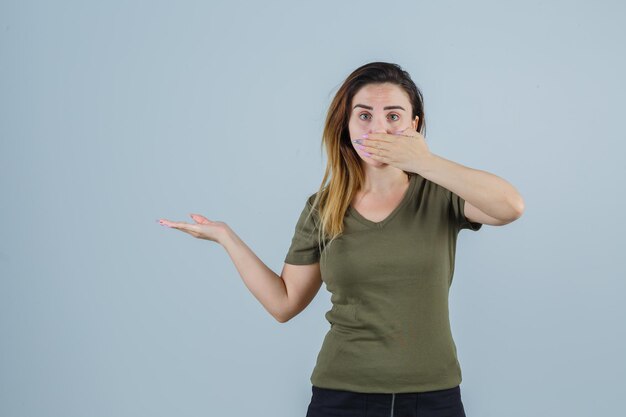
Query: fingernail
[
  {"x": 361, "y": 147},
  {"x": 364, "y": 136},
  {"x": 359, "y": 141},
  {"x": 367, "y": 154}
]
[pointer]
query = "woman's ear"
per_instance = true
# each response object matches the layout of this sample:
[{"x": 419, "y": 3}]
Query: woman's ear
[{"x": 416, "y": 122}]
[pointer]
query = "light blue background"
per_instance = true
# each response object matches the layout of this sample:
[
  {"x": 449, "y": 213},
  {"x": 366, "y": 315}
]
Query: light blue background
[{"x": 115, "y": 114}]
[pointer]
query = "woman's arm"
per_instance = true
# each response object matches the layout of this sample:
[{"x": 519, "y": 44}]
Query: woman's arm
[
  {"x": 486, "y": 192},
  {"x": 283, "y": 296},
  {"x": 265, "y": 284}
]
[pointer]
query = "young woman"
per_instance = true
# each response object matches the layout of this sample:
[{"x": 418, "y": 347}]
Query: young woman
[{"x": 381, "y": 233}]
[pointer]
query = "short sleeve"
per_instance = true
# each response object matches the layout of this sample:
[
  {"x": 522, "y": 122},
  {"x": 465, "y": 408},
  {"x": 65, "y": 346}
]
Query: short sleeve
[
  {"x": 458, "y": 212},
  {"x": 304, "y": 249}
]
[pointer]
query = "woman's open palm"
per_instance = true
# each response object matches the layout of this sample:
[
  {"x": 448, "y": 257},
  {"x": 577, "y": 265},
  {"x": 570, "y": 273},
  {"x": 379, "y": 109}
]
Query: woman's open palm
[{"x": 203, "y": 228}]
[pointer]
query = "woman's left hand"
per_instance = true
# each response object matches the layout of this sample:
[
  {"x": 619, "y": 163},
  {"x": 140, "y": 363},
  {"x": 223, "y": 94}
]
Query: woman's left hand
[{"x": 406, "y": 149}]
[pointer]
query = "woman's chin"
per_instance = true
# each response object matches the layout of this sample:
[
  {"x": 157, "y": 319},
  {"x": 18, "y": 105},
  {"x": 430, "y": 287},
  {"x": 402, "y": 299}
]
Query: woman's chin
[{"x": 373, "y": 162}]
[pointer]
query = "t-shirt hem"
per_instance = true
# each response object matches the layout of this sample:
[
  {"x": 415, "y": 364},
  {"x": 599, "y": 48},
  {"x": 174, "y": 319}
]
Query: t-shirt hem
[{"x": 388, "y": 389}]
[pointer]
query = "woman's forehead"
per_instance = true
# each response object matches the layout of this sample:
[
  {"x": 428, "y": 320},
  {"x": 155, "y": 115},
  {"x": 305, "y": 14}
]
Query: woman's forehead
[{"x": 379, "y": 94}]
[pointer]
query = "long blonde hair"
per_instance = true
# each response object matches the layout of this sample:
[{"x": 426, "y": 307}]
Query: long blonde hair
[{"x": 344, "y": 174}]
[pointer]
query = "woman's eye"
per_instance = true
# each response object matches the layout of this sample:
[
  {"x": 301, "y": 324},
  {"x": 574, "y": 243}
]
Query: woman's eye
[{"x": 393, "y": 114}]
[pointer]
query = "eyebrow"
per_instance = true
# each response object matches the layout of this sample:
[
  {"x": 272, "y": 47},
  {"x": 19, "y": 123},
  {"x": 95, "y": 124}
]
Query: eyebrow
[{"x": 384, "y": 108}]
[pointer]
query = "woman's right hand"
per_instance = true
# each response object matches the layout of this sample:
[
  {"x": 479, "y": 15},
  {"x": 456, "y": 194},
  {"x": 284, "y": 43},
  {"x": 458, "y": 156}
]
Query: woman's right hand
[{"x": 203, "y": 228}]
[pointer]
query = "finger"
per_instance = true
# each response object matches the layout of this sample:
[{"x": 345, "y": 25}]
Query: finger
[
  {"x": 199, "y": 218},
  {"x": 185, "y": 227},
  {"x": 177, "y": 225},
  {"x": 164, "y": 222},
  {"x": 365, "y": 149},
  {"x": 377, "y": 157},
  {"x": 378, "y": 152},
  {"x": 405, "y": 133},
  {"x": 374, "y": 144},
  {"x": 382, "y": 137}
]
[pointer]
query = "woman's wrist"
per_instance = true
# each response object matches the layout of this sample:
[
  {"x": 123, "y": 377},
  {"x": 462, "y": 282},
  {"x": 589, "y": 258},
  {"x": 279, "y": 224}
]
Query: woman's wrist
[{"x": 225, "y": 235}]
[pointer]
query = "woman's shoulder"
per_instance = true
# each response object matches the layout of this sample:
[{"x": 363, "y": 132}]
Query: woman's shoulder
[
  {"x": 312, "y": 197},
  {"x": 438, "y": 195}
]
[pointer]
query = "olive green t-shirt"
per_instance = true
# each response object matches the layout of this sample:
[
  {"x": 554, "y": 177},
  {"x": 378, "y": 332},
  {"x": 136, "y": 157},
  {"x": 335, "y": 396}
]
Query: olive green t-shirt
[{"x": 389, "y": 283}]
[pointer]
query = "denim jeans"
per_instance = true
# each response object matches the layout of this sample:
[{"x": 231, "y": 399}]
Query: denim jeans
[{"x": 327, "y": 402}]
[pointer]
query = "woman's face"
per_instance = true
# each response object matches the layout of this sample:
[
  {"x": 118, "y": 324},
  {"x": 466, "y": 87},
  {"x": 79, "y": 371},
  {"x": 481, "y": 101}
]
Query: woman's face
[{"x": 379, "y": 108}]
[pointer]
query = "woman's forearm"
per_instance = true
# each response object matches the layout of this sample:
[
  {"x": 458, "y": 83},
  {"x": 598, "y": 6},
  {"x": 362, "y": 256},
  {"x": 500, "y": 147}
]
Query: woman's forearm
[
  {"x": 488, "y": 192},
  {"x": 268, "y": 287}
]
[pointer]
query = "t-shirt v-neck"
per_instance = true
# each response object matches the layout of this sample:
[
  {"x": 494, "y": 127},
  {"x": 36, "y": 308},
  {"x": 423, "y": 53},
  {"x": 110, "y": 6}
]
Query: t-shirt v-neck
[{"x": 408, "y": 194}]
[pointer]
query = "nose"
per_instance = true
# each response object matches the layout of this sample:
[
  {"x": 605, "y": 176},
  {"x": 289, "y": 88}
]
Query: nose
[
  {"x": 380, "y": 127},
  {"x": 381, "y": 130}
]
